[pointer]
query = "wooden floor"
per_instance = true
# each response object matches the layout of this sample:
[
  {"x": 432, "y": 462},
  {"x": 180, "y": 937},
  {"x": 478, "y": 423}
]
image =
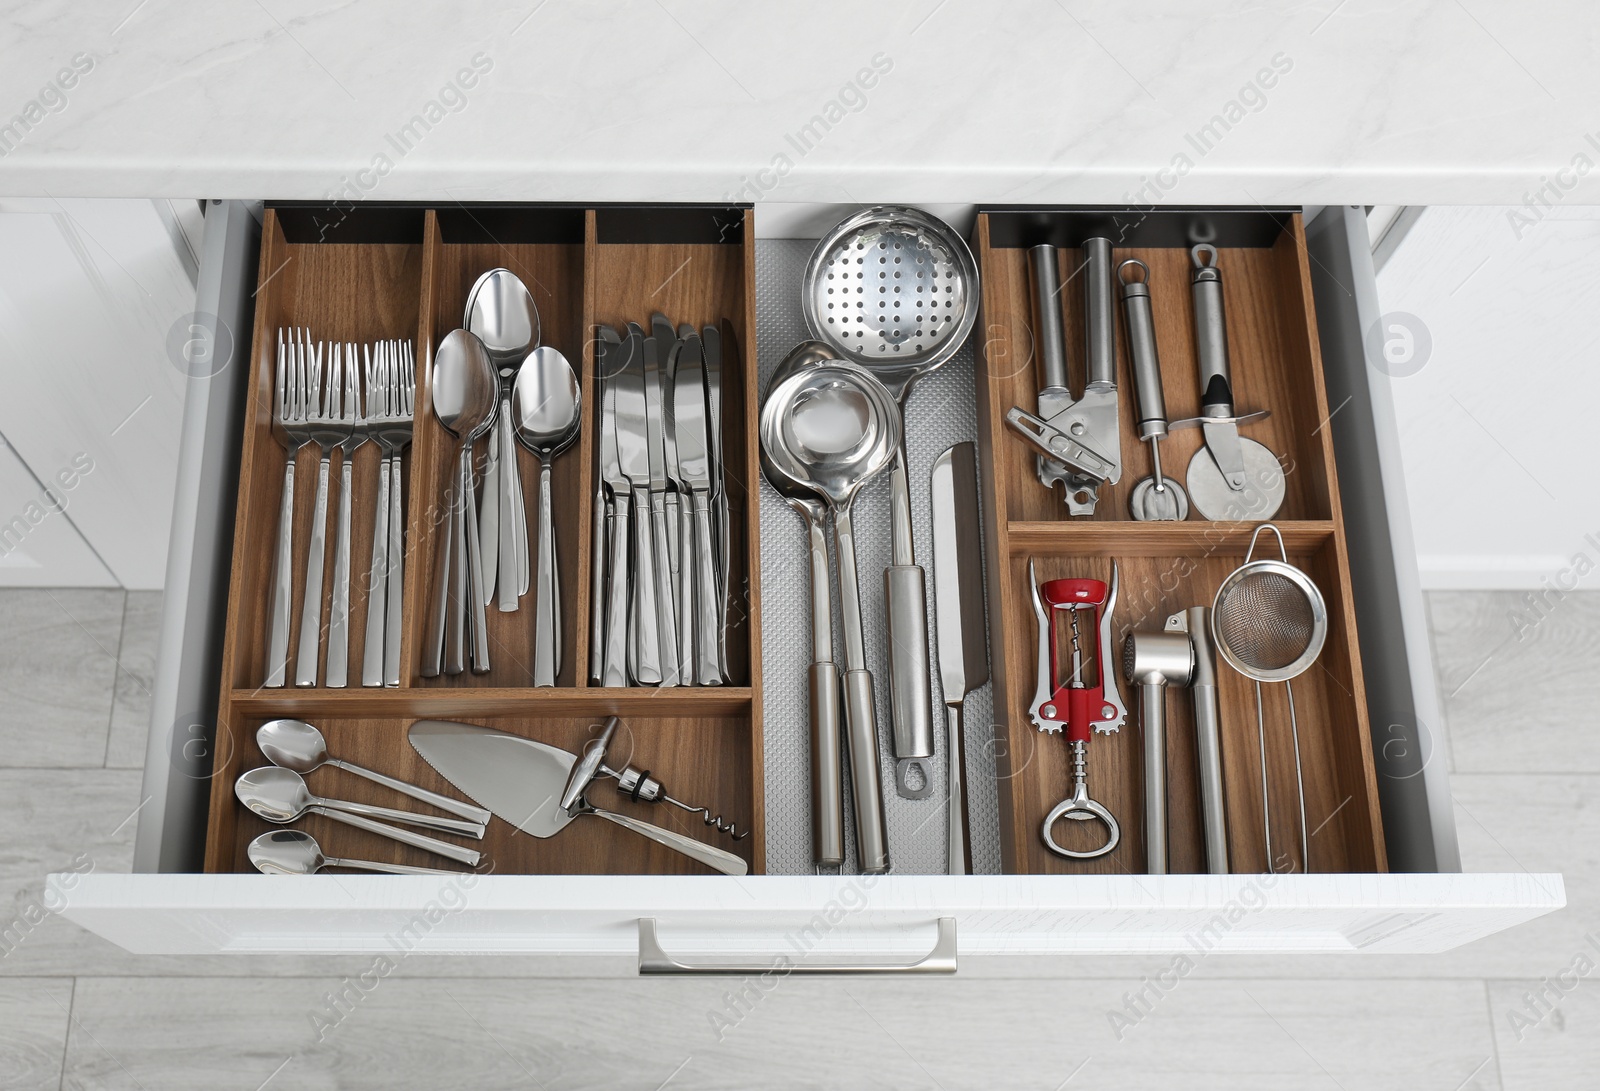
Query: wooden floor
[{"x": 78, "y": 1013}]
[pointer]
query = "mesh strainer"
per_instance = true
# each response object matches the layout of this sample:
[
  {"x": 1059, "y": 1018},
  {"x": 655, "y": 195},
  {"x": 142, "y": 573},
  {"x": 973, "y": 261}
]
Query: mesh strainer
[{"x": 1270, "y": 621}]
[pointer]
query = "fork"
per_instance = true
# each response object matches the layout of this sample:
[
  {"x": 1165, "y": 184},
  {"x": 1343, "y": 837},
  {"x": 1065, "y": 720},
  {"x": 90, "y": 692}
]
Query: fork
[
  {"x": 326, "y": 430},
  {"x": 391, "y": 396},
  {"x": 289, "y": 426},
  {"x": 355, "y": 434}
]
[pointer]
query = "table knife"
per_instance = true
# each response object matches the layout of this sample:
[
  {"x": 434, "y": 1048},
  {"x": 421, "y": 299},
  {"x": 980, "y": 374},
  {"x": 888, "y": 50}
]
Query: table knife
[
  {"x": 711, "y": 344},
  {"x": 633, "y": 460},
  {"x": 614, "y": 660},
  {"x": 656, "y": 445},
  {"x": 598, "y": 531},
  {"x": 958, "y": 609},
  {"x": 694, "y": 463}
]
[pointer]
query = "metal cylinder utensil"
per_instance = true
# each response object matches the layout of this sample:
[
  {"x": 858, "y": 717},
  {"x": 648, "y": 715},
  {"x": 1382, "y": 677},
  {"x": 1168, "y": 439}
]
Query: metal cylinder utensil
[
  {"x": 1049, "y": 335},
  {"x": 1208, "y": 736},
  {"x": 1152, "y": 661}
]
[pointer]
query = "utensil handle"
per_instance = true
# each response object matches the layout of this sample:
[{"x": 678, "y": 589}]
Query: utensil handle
[
  {"x": 305, "y": 668},
  {"x": 855, "y": 645},
  {"x": 519, "y": 529},
  {"x": 377, "y": 583},
  {"x": 615, "y": 671},
  {"x": 666, "y": 617},
  {"x": 395, "y": 581},
  {"x": 282, "y": 584},
  {"x": 646, "y": 635},
  {"x": 547, "y": 607},
  {"x": 389, "y": 869},
  {"x": 460, "y": 855},
  {"x": 1047, "y": 317},
  {"x": 827, "y": 770},
  {"x": 338, "y": 665},
  {"x": 1208, "y": 740},
  {"x": 866, "y": 775},
  {"x": 910, "y": 682},
  {"x": 490, "y": 523},
  {"x": 479, "y": 816},
  {"x": 1143, "y": 360},
  {"x": 443, "y": 573},
  {"x": 707, "y": 661},
  {"x": 1210, "y": 336},
  {"x": 478, "y": 624},
  {"x": 956, "y": 820},
  {"x": 1099, "y": 318},
  {"x": 455, "y": 627},
  {"x": 408, "y": 818},
  {"x": 681, "y": 519},
  {"x": 598, "y": 538},
  {"x": 709, "y": 855},
  {"x": 1153, "y": 714},
  {"x": 512, "y": 563},
  {"x": 719, "y": 509}
]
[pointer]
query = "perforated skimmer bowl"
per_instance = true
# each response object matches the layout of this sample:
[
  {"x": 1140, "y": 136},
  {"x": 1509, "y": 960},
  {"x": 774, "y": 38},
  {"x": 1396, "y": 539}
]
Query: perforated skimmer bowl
[{"x": 893, "y": 289}]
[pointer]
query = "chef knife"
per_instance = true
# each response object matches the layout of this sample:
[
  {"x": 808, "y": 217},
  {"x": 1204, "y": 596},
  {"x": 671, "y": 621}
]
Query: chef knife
[
  {"x": 958, "y": 609},
  {"x": 656, "y": 443},
  {"x": 633, "y": 459},
  {"x": 694, "y": 463},
  {"x": 522, "y": 780}
]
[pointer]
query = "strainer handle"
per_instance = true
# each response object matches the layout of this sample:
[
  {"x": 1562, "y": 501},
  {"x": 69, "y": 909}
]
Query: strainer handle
[{"x": 1282, "y": 549}]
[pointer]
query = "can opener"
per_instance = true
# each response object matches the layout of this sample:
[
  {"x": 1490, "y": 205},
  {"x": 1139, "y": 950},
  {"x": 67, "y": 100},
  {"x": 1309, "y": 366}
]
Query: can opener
[
  {"x": 1075, "y": 705},
  {"x": 1077, "y": 440}
]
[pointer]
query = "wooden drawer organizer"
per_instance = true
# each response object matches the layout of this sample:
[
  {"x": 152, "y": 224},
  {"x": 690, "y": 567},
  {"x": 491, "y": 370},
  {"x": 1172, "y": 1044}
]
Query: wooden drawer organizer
[
  {"x": 380, "y": 271},
  {"x": 1166, "y": 567}
]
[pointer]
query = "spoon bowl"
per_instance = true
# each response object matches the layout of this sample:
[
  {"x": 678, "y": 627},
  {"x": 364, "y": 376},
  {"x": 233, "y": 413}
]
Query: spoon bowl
[
  {"x": 501, "y": 313},
  {"x": 464, "y": 387},
  {"x": 278, "y": 795},
  {"x": 292, "y": 744},
  {"x": 830, "y": 428}
]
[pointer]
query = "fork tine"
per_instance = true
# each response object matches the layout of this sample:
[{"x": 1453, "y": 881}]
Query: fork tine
[
  {"x": 280, "y": 381},
  {"x": 352, "y": 389},
  {"x": 410, "y": 380}
]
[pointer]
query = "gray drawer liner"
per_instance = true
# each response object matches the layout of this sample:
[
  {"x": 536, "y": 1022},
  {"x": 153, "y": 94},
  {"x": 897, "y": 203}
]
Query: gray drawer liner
[{"x": 942, "y": 411}]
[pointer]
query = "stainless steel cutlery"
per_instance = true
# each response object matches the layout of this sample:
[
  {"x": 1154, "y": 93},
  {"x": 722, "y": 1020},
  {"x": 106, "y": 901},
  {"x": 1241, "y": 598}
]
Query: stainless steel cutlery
[
  {"x": 321, "y": 398},
  {"x": 661, "y": 604}
]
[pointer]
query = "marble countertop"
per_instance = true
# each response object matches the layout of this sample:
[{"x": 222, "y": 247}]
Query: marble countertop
[{"x": 1477, "y": 101}]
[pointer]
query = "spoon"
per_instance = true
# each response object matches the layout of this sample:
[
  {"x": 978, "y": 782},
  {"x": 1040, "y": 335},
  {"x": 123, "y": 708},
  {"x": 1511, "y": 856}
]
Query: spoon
[
  {"x": 546, "y": 405},
  {"x": 279, "y": 795},
  {"x": 831, "y": 427},
  {"x": 291, "y": 852},
  {"x": 283, "y": 791},
  {"x": 827, "y": 786},
  {"x": 464, "y": 396},
  {"x": 299, "y": 746},
  {"x": 501, "y": 312}
]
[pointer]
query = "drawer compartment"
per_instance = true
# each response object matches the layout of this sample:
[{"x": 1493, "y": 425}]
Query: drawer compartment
[{"x": 376, "y": 272}]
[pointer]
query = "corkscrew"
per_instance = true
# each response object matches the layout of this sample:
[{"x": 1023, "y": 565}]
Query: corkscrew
[{"x": 637, "y": 784}]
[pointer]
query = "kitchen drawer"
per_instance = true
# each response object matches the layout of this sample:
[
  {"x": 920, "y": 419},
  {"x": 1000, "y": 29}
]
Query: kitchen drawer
[{"x": 1405, "y": 894}]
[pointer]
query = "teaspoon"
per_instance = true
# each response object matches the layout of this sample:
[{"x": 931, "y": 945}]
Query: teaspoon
[
  {"x": 293, "y": 852},
  {"x": 546, "y": 405}
]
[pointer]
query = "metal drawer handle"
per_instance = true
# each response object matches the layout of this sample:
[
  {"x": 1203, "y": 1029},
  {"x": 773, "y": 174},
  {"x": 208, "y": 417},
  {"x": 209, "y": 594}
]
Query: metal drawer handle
[{"x": 653, "y": 960}]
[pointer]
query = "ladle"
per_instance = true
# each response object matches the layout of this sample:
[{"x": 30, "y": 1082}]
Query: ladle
[{"x": 831, "y": 428}]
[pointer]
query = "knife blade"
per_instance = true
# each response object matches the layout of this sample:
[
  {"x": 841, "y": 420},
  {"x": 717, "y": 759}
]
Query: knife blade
[
  {"x": 959, "y": 613},
  {"x": 522, "y": 780},
  {"x": 667, "y": 346},
  {"x": 689, "y": 418},
  {"x": 656, "y": 443},
  {"x": 633, "y": 456}
]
